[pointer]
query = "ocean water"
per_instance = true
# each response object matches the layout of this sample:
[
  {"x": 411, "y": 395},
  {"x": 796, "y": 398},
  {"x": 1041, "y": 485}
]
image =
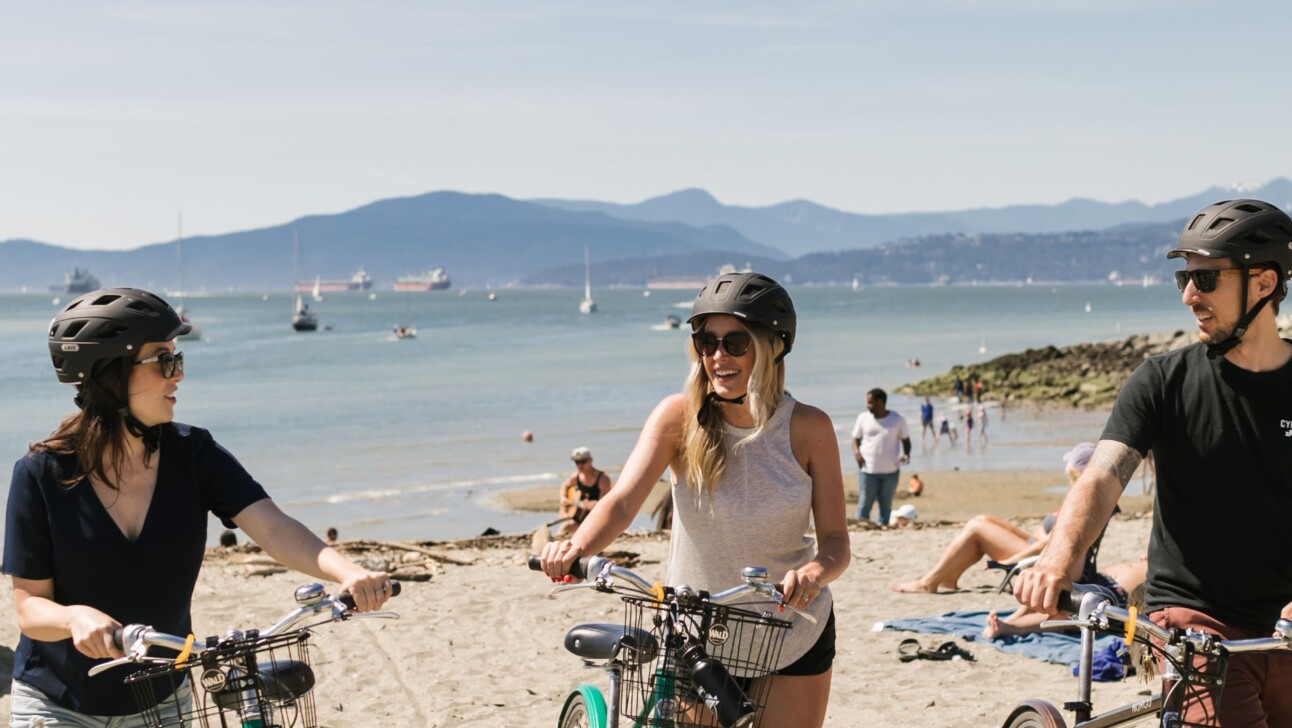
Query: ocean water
[{"x": 411, "y": 439}]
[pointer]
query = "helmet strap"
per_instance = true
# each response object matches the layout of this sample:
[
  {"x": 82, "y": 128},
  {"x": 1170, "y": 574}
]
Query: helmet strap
[
  {"x": 133, "y": 425},
  {"x": 710, "y": 401},
  {"x": 1240, "y": 328}
]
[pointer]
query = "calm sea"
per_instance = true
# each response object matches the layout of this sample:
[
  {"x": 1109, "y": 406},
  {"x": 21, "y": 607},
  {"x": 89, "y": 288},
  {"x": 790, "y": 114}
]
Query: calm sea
[{"x": 410, "y": 439}]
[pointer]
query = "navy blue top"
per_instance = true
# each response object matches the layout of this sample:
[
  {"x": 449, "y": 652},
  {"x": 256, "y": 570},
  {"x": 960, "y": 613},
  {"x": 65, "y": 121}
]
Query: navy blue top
[{"x": 52, "y": 532}]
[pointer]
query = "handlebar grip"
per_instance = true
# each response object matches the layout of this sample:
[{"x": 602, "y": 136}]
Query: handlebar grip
[
  {"x": 348, "y": 600},
  {"x": 578, "y": 569},
  {"x": 1000, "y": 565},
  {"x": 116, "y": 637},
  {"x": 1069, "y": 602}
]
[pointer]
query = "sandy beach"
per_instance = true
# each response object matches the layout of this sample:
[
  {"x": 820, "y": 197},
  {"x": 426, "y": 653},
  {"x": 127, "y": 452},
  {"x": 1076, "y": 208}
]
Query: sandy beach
[{"x": 479, "y": 643}]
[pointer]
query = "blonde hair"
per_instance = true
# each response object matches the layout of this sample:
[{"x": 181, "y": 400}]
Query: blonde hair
[{"x": 704, "y": 450}]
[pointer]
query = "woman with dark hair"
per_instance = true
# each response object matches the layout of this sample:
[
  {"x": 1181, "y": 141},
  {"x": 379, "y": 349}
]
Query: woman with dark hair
[
  {"x": 107, "y": 517},
  {"x": 752, "y": 471}
]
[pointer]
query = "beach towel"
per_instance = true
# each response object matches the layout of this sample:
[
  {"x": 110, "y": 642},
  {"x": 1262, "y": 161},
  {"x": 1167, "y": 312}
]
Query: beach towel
[{"x": 1061, "y": 649}]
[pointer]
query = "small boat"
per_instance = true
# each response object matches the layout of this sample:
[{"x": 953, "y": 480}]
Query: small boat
[
  {"x": 672, "y": 321},
  {"x": 587, "y": 305},
  {"x": 405, "y": 332},
  {"x": 304, "y": 319}
]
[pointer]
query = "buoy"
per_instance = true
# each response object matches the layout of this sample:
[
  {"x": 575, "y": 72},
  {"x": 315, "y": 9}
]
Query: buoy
[{"x": 527, "y": 436}]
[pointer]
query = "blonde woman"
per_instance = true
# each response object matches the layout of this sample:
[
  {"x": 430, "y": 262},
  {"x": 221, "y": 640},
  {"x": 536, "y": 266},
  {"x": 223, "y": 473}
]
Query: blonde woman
[{"x": 752, "y": 471}]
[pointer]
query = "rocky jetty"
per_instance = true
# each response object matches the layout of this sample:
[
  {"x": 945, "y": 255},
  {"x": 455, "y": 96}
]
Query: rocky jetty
[{"x": 1082, "y": 375}]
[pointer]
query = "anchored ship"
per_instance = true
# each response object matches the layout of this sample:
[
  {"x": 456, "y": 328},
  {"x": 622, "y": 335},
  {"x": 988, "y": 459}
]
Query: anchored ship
[{"x": 434, "y": 280}]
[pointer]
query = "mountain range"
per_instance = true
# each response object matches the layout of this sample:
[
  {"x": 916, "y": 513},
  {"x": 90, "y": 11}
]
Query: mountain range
[{"x": 495, "y": 240}]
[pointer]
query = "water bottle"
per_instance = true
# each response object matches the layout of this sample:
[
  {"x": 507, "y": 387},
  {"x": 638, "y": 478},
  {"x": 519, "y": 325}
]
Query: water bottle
[{"x": 719, "y": 690}]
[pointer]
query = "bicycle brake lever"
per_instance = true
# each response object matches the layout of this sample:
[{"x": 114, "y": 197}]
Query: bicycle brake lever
[{"x": 127, "y": 660}]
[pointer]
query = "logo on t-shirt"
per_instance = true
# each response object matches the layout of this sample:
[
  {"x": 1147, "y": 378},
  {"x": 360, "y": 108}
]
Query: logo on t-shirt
[{"x": 1287, "y": 427}]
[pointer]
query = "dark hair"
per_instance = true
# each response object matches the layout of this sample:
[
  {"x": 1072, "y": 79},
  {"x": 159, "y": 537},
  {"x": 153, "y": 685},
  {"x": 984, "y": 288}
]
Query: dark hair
[
  {"x": 96, "y": 434},
  {"x": 228, "y": 538},
  {"x": 878, "y": 394}
]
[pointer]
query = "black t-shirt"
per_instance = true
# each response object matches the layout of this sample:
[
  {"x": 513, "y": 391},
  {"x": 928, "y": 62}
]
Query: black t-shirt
[
  {"x": 67, "y": 535},
  {"x": 1222, "y": 519}
]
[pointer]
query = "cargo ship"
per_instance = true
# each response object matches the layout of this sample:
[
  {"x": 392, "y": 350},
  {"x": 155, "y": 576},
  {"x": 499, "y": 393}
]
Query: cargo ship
[
  {"x": 80, "y": 280},
  {"x": 434, "y": 280},
  {"x": 360, "y": 281}
]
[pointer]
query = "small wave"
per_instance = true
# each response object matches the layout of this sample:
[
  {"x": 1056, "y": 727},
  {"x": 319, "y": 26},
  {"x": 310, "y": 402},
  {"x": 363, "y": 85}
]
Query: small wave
[
  {"x": 684, "y": 304},
  {"x": 376, "y": 494}
]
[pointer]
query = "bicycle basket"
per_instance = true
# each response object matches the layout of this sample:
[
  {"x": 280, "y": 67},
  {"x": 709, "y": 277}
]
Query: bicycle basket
[
  {"x": 257, "y": 681},
  {"x": 659, "y": 690}
]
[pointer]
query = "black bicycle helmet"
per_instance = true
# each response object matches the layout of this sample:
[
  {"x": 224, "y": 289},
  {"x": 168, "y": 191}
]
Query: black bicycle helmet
[
  {"x": 751, "y": 296},
  {"x": 1252, "y": 233},
  {"x": 108, "y": 324}
]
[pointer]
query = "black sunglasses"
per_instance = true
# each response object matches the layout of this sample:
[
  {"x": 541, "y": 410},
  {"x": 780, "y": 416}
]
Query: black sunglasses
[
  {"x": 581, "y": 461},
  {"x": 736, "y": 343},
  {"x": 1203, "y": 280},
  {"x": 170, "y": 363}
]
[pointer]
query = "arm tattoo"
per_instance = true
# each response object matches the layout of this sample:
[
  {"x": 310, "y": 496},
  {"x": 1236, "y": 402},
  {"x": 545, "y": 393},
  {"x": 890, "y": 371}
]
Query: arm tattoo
[{"x": 1116, "y": 458}]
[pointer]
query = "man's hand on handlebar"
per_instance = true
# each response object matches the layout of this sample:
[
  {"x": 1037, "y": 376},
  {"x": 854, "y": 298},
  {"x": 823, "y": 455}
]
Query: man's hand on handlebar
[{"x": 1038, "y": 588}]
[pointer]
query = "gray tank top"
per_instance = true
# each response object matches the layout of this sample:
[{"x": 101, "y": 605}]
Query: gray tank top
[{"x": 757, "y": 514}]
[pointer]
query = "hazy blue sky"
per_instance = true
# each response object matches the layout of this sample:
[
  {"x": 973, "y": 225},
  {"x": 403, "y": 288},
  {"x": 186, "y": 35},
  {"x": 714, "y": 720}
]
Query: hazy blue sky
[{"x": 245, "y": 113}]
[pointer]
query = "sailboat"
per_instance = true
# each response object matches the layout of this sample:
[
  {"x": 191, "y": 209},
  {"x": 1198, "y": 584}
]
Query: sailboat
[
  {"x": 318, "y": 292},
  {"x": 194, "y": 333},
  {"x": 587, "y": 305},
  {"x": 303, "y": 319}
]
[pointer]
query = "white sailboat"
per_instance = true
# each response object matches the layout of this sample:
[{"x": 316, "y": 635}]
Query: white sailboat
[
  {"x": 318, "y": 292},
  {"x": 303, "y": 319},
  {"x": 587, "y": 305},
  {"x": 194, "y": 333}
]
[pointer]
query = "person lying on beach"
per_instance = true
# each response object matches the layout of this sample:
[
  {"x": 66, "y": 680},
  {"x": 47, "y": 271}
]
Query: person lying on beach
[
  {"x": 752, "y": 469},
  {"x": 1122, "y": 579},
  {"x": 995, "y": 538}
]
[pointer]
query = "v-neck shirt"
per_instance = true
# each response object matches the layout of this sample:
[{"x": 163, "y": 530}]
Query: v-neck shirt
[{"x": 66, "y": 534}]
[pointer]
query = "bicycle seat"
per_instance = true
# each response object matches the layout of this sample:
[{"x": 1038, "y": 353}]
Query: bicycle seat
[{"x": 605, "y": 641}]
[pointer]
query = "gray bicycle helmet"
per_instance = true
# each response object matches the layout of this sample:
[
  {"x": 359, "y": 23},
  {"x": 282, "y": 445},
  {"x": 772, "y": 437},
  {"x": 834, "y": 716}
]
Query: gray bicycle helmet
[
  {"x": 1252, "y": 233},
  {"x": 750, "y": 296},
  {"x": 108, "y": 324}
]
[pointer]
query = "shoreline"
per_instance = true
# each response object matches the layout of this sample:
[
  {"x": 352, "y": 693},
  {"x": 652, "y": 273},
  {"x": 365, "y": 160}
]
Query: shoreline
[{"x": 950, "y": 496}]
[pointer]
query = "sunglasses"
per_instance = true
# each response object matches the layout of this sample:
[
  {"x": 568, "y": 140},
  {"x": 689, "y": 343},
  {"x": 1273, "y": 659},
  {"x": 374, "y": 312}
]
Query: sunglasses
[
  {"x": 169, "y": 363},
  {"x": 735, "y": 343},
  {"x": 582, "y": 461},
  {"x": 1203, "y": 280}
]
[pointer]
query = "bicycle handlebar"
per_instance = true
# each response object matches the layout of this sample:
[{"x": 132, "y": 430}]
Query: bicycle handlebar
[
  {"x": 135, "y": 639},
  {"x": 1095, "y": 608},
  {"x": 602, "y": 570}
]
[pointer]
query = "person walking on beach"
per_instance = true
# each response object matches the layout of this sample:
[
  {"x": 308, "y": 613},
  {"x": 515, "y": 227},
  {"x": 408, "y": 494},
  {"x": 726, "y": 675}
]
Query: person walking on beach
[
  {"x": 581, "y": 491},
  {"x": 752, "y": 471},
  {"x": 945, "y": 428},
  {"x": 881, "y": 444},
  {"x": 958, "y": 388},
  {"x": 926, "y": 421},
  {"x": 1217, "y": 416},
  {"x": 107, "y": 517},
  {"x": 982, "y": 423}
]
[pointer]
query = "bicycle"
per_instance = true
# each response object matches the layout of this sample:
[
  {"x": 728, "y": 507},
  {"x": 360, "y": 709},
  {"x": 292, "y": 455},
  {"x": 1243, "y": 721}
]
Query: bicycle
[
  {"x": 681, "y": 658},
  {"x": 256, "y": 679},
  {"x": 1095, "y": 613}
]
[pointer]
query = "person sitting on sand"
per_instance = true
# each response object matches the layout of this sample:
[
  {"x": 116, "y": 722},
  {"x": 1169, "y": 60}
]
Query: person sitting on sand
[
  {"x": 581, "y": 491},
  {"x": 997, "y": 539},
  {"x": 1122, "y": 579}
]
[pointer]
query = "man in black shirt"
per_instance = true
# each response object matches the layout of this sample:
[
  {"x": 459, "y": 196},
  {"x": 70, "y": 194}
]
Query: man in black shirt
[{"x": 1217, "y": 417}]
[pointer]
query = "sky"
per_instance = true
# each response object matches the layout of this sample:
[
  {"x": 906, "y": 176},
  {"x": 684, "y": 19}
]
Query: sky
[{"x": 117, "y": 118}]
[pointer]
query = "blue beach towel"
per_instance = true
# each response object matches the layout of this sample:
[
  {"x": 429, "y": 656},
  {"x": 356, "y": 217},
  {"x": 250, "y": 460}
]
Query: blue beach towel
[{"x": 1061, "y": 649}]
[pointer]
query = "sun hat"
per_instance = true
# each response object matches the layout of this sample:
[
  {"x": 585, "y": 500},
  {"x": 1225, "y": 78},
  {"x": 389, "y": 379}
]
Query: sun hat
[
  {"x": 1079, "y": 456},
  {"x": 581, "y": 453},
  {"x": 907, "y": 511}
]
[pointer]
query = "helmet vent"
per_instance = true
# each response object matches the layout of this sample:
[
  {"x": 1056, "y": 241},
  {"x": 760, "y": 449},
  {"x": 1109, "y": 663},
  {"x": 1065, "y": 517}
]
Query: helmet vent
[
  {"x": 1249, "y": 208},
  {"x": 110, "y": 331},
  {"x": 1194, "y": 222},
  {"x": 139, "y": 305},
  {"x": 105, "y": 300},
  {"x": 722, "y": 287},
  {"x": 73, "y": 329},
  {"x": 1220, "y": 224}
]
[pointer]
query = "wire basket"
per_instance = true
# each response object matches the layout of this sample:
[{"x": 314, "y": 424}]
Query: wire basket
[
  {"x": 256, "y": 681},
  {"x": 658, "y": 688}
]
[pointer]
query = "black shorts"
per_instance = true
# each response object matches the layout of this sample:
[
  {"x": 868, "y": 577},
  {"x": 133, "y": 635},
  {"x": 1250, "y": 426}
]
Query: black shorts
[{"x": 819, "y": 658}]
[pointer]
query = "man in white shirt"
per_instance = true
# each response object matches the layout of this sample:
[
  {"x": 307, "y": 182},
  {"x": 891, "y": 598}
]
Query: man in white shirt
[{"x": 881, "y": 444}]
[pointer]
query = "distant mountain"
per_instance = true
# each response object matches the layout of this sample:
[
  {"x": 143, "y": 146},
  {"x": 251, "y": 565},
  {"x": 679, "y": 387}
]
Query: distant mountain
[
  {"x": 800, "y": 227},
  {"x": 479, "y": 239},
  {"x": 1126, "y": 253}
]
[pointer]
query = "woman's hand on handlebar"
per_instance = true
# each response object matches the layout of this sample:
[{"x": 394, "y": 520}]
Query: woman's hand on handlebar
[
  {"x": 558, "y": 557},
  {"x": 369, "y": 589},
  {"x": 92, "y": 632},
  {"x": 799, "y": 588},
  {"x": 1038, "y": 588}
]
